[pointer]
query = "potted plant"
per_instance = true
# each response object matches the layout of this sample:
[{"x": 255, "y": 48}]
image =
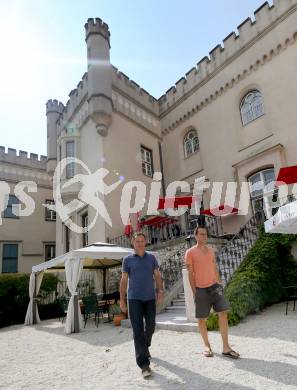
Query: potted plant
[{"x": 117, "y": 313}]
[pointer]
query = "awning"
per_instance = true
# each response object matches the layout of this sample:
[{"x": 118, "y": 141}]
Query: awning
[
  {"x": 158, "y": 221},
  {"x": 284, "y": 221},
  {"x": 174, "y": 202},
  {"x": 287, "y": 175},
  {"x": 223, "y": 209}
]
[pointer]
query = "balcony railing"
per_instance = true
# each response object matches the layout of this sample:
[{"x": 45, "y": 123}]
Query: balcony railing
[{"x": 163, "y": 232}]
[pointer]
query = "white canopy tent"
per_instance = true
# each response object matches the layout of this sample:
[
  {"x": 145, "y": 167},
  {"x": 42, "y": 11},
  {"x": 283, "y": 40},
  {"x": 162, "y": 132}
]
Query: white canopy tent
[
  {"x": 99, "y": 255},
  {"x": 284, "y": 221}
]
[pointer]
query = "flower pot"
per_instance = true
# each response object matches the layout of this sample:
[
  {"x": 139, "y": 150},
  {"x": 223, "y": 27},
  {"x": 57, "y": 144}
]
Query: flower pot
[{"x": 117, "y": 318}]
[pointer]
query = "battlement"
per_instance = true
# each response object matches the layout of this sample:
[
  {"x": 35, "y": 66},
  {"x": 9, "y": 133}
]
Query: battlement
[
  {"x": 76, "y": 96},
  {"x": 97, "y": 26},
  {"x": 54, "y": 106},
  {"x": 264, "y": 17},
  {"x": 133, "y": 90},
  {"x": 23, "y": 158}
]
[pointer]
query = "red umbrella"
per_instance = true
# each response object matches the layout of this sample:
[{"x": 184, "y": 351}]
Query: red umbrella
[{"x": 128, "y": 228}]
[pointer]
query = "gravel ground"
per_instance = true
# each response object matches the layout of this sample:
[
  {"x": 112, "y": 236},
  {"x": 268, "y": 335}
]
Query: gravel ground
[{"x": 42, "y": 357}]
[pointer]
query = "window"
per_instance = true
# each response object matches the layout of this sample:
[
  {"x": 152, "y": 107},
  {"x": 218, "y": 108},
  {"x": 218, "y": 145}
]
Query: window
[
  {"x": 49, "y": 251},
  {"x": 147, "y": 161},
  {"x": 69, "y": 153},
  {"x": 191, "y": 143},
  {"x": 10, "y": 258},
  {"x": 262, "y": 191},
  {"x": 50, "y": 215},
  {"x": 84, "y": 219},
  {"x": 12, "y": 208},
  {"x": 251, "y": 107}
]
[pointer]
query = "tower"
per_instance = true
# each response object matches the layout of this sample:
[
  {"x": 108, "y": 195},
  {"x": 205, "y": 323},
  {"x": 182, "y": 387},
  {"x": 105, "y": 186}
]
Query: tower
[
  {"x": 54, "y": 110},
  {"x": 99, "y": 74}
]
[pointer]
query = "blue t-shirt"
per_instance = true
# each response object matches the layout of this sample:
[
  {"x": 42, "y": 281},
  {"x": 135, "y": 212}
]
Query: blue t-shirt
[{"x": 141, "y": 275}]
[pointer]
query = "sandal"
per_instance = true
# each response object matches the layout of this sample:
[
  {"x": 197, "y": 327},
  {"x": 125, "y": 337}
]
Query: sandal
[
  {"x": 208, "y": 353},
  {"x": 231, "y": 354}
]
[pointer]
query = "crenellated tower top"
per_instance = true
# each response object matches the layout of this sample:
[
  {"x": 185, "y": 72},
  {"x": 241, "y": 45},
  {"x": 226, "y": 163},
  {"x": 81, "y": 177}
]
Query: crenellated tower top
[
  {"x": 54, "y": 105},
  {"x": 97, "y": 26}
]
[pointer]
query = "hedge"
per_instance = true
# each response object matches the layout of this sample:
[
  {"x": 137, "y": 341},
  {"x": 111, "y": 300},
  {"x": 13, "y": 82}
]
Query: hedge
[
  {"x": 14, "y": 298},
  {"x": 257, "y": 283}
]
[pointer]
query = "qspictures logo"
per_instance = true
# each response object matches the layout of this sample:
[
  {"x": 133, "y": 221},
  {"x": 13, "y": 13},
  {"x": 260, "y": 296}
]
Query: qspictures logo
[{"x": 92, "y": 190}]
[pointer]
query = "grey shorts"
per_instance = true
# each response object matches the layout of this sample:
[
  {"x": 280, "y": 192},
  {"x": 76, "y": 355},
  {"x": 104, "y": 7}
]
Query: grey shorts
[{"x": 206, "y": 298}]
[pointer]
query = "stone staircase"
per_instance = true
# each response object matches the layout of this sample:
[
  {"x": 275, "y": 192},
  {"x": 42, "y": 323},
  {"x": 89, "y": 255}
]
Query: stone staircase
[
  {"x": 231, "y": 255},
  {"x": 178, "y": 305}
]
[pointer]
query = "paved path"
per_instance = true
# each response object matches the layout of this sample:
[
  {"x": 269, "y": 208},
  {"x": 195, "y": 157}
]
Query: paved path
[{"x": 42, "y": 357}]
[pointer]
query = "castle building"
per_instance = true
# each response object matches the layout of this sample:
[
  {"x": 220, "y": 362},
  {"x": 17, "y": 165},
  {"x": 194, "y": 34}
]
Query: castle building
[
  {"x": 25, "y": 240},
  {"x": 231, "y": 118}
]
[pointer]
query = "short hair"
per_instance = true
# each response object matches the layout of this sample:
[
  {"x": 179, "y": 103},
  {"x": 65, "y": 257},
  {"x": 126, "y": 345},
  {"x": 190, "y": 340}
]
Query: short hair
[
  {"x": 199, "y": 227},
  {"x": 138, "y": 234}
]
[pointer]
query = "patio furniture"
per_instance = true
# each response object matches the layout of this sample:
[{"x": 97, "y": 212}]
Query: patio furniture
[
  {"x": 290, "y": 295},
  {"x": 63, "y": 303},
  {"x": 91, "y": 308}
]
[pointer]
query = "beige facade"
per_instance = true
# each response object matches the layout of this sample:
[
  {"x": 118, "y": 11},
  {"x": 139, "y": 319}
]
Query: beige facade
[
  {"x": 25, "y": 240},
  {"x": 240, "y": 101}
]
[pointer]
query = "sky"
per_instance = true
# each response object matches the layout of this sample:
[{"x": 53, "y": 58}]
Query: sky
[{"x": 43, "y": 50}]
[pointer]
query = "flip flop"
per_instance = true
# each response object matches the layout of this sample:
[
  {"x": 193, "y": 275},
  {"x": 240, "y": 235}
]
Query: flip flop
[
  {"x": 231, "y": 354},
  {"x": 208, "y": 353}
]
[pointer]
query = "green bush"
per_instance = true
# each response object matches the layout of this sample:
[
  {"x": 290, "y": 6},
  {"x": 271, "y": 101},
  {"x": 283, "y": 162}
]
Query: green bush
[
  {"x": 14, "y": 297},
  {"x": 258, "y": 281}
]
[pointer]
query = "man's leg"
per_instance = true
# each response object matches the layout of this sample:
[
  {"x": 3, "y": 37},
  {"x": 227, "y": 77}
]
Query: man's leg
[
  {"x": 150, "y": 321},
  {"x": 203, "y": 305},
  {"x": 221, "y": 307},
  {"x": 223, "y": 324},
  {"x": 136, "y": 312},
  {"x": 204, "y": 333}
]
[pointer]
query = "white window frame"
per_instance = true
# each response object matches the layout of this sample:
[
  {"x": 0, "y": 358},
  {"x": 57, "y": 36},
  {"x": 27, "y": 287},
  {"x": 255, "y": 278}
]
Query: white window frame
[
  {"x": 191, "y": 143},
  {"x": 53, "y": 250},
  {"x": 265, "y": 191},
  {"x": 70, "y": 152},
  {"x": 251, "y": 107},
  {"x": 147, "y": 161},
  {"x": 50, "y": 215}
]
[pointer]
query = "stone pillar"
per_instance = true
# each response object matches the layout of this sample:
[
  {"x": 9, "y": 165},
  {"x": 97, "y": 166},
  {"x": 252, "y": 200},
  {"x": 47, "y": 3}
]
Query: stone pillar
[{"x": 190, "y": 304}]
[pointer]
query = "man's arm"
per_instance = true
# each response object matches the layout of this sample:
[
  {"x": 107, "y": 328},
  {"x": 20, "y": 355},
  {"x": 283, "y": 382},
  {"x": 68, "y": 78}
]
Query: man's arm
[
  {"x": 159, "y": 284},
  {"x": 123, "y": 291}
]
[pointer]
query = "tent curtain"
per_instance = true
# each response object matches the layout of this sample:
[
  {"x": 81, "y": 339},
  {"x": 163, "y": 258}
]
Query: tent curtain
[
  {"x": 29, "y": 314},
  {"x": 98, "y": 281},
  {"x": 73, "y": 269}
]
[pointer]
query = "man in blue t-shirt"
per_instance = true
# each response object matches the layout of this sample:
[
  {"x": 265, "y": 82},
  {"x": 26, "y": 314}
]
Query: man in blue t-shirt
[{"x": 142, "y": 270}]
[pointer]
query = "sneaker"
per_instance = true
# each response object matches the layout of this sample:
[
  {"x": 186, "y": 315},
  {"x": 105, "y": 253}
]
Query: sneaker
[{"x": 146, "y": 372}]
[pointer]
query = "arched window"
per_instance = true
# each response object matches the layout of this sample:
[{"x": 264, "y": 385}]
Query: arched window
[
  {"x": 251, "y": 107},
  {"x": 262, "y": 190},
  {"x": 191, "y": 142}
]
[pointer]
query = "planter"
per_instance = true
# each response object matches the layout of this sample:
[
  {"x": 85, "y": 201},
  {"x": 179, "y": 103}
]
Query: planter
[{"x": 117, "y": 318}]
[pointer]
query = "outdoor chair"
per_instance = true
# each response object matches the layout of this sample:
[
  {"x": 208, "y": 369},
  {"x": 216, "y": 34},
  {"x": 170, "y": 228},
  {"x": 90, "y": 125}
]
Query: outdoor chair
[
  {"x": 91, "y": 308},
  {"x": 63, "y": 304},
  {"x": 290, "y": 296}
]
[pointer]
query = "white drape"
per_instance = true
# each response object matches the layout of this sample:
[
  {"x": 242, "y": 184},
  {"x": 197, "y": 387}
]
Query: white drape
[
  {"x": 73, "y": 268},
  {"x": 98, "y": 280},
  {"x": 29, "y": 314}
]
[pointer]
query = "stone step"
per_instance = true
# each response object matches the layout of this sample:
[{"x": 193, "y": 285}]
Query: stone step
[
  {"x": 170, "y": 321},
  {"x": 178, "y": 303},
  {"x": 176, "y": 308}
]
